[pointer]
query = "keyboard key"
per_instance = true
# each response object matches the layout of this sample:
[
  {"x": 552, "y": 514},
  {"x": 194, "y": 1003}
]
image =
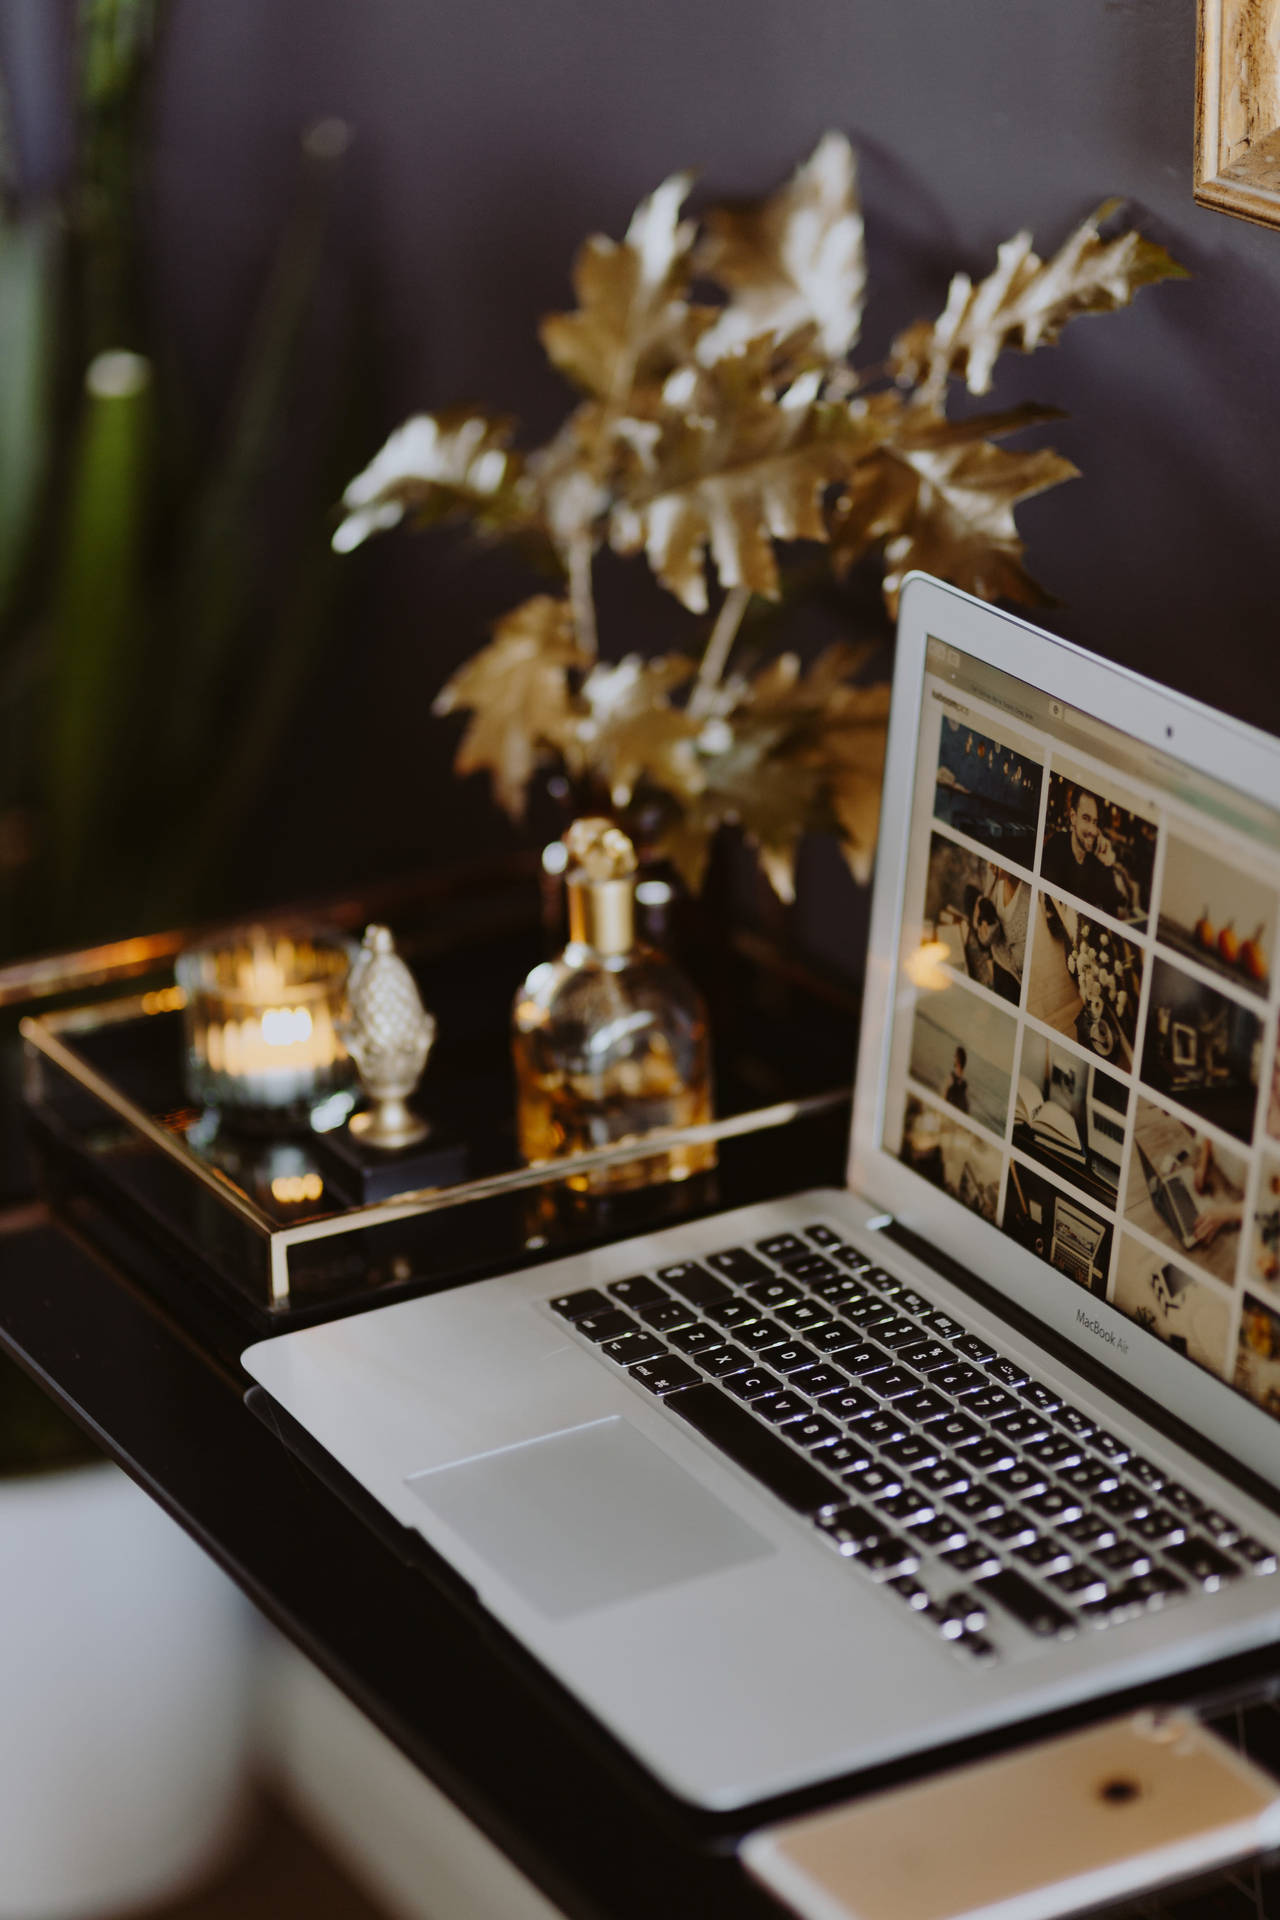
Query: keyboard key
[
  {"x": 1035, "y": 1611},
  {"x": 1055, "y": 1451},
  {"x": 732, "y": 1314},
  {"x": 638, "y": 1291},
  {"x": 576, "y": 1306},
  {"x": 736, "y": 1264},
  {"x": 777, "y": 1407},
  {"x": 772, "y": 1293},
  {"x": 1124, "y": 1557},
  {"x": 810, "y": 1266},
  {"x": 760, "y": 1333},
  {"x": 786, "y": 1473},
  {"x": 889, "y": 1558},
  {"x": 815, "y": 1381},
  {"x": 693, "y": 1283},
  {"x": 1042, "y": 1398},
  {"x": 968, "y": 1608},
  {"x": 990, "y": 1456},
  {"x": 824, "y": 1236},
  {"x": 837, "y": 1338},
  {"x": 974, "y": 1348},
  {"x": 879, "y": 1479},
  {"x": 607, "y": 1325},
  {"x": 1154, "y": 1589},
  {"x": 1088, "y": 1533},
  {"x": 1075, "y": 1423},
  {"x": 851, "y": 1529},
  {"x": 1124, "y": 1502},
  {"x": 1080, "y": 1584},
  {"x": 792, "y": 1357},
  {"x": 847, "y": 1403},
  {"x": 630, "y": 1347},
  {"x": 916, "y": 1596},
  {"x": 865, "y": 1310},
  {"x": 941, "y": 1534},
  {"x": 1203, "y": 1563},
  {"x": 945, "y": 1477},
  {"x": 843, "y": 1287},
  {"x": 892, "y": 1383},
  {"x": 943, "y": 1325},
  {"x": 1258, "y": 1557},
  {"x": 1176, "y": 1495},
  {"x": 1219, "y": 1527},
  {"x": 779, "y": 1244},
  {"x": 1010, "y": 1530},
  {"x": 664, "y": 1375},
  {"x": 814, "y": 1431},
  {"x": 897, "y": 1333},
  {"x": 721, "y": 1360},
  {"x": 753, "y": 1383},
  {"x": 1091, "y": 1478},
  {"x": 1019, "y": 1481},
  {"x": 880, "y": 1429},
  {"x": 666, "y": 1314},
  {"x": 863, "y": 1357},
  {"x": 1145, "y": 1473},
  {"x": 978, "y": 1503},
  {"x": 695, "y": 1339},
  {"x": 926, "y": 1356},
  {"x": 974, "y": 1560},
  {"x": 1054, "y": 1505},
  {"x": 924, "y": 1407},
  {"x": 1007, "y": 1372},
  {"x": 1158, "y": 1528},
  {"x": 991, "y": 1401},
  {"x": 845, "y": 1457},
  {"x": 959, "y": 1378},
  {"x": 912, "y": 1302},
  {"x": 1045, "y": 1556},
  {"x": 883, "y": 1282},
  {"x": 803, "y": 1315},
  {"x": 958, "y": 1431},
  {"x": 912, "y": 1451},
  {"x": 1111, "y": 1446},
  {"x": 1021, "y": 1427}
]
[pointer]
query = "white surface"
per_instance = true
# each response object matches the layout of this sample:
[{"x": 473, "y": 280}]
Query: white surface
[
  {"x": 124, "y": 1699},
  {"x": 395, "y": 1832}
]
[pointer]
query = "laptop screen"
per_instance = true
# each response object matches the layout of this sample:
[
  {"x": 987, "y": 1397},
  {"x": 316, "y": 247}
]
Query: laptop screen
[{"x": 1083, "y": 1046}]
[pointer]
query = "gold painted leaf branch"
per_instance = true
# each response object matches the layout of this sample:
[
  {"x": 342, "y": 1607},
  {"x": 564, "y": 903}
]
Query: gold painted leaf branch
[
  {"x": 794, "y": 260},
  {"x": 518, "y": 692},
  {"x": 445, "y": 466},
  {"x": 1026, "y": 301},
  {"x": 725, "y": 483},
  {"x": 634, "y": 322}
]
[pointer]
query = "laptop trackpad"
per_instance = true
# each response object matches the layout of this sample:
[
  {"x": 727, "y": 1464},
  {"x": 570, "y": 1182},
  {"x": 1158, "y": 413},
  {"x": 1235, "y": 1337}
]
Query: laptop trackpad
[{"x": 588, "y": 1517}]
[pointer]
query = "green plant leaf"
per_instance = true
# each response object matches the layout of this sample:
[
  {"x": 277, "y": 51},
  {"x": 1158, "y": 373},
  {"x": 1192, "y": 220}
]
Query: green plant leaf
[{"x": 28, "y": 270}]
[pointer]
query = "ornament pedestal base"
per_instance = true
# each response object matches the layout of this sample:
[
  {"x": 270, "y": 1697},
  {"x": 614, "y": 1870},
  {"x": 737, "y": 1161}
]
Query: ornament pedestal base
[{"x": 367, "y": 1174}]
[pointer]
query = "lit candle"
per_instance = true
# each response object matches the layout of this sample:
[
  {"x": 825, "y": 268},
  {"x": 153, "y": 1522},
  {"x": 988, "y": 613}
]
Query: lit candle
[{"x": 262, "y": 1013}]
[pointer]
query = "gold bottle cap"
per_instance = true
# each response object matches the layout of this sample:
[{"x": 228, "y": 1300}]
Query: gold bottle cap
[{"x": 601, "y": 885}]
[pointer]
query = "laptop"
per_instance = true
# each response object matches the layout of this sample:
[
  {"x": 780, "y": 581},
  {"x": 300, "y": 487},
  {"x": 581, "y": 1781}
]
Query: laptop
[
  {"x": 1172, "y": 1198},
  {"x": 795, "y": 1490}
]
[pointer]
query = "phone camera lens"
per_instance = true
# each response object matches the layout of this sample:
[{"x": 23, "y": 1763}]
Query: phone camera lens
[{"x": 1117, "y": 1793}]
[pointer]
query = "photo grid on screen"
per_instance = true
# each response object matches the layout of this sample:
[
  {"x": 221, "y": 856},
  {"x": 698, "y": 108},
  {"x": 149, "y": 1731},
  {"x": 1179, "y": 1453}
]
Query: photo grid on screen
[{"x": 1090, "y": 1060}]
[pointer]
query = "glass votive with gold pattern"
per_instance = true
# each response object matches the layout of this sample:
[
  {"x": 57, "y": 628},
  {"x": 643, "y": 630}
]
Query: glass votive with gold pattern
[{"x": 262, "y": 1011}]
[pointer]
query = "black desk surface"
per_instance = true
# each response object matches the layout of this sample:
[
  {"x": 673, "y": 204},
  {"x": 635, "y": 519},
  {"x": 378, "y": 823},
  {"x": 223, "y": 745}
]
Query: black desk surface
[{"x": 151, "y": 1372}]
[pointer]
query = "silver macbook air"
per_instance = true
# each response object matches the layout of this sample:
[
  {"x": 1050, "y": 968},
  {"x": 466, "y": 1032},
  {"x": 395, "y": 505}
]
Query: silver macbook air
[{"x": 770, "y": 1494}]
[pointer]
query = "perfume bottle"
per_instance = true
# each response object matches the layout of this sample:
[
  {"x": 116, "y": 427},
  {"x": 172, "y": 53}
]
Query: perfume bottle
[{"x": 609, "y": 1038}]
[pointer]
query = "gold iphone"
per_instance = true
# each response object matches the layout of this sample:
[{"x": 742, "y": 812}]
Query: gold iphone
[{"x": 1094, "y": 1816}]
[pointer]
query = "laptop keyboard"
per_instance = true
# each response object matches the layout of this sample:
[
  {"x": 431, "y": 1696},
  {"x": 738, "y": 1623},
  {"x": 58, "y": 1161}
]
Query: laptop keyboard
[{"x": 918, "y": 1451}]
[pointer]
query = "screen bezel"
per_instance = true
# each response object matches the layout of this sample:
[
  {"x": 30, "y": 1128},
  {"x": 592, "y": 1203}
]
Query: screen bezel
[{"x": 1204, "y": 741}]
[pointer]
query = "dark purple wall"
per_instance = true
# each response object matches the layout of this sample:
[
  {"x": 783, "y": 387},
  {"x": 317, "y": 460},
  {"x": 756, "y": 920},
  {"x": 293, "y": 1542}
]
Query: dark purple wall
[{"x": 491, "y": 137}]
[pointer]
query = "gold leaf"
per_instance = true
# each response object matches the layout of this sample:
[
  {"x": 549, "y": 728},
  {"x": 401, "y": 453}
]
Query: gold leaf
[
  {"x": 854, "y": 753},
  {"x": 959, "y": 523},
  {"x": 1025, "y": 302},
  {"x": 794, "y": 260},
  {"x": 517, "y": 690},
  {"x": 746, "y": 469},
  {"x": 436, "y": 467},
  {"x": 633, "y": 322},
  {"x": 630, "y": 730}
]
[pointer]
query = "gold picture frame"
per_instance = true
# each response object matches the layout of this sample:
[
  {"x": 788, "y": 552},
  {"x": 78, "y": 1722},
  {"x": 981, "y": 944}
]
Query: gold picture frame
[{"x": 1237, "y": 157}]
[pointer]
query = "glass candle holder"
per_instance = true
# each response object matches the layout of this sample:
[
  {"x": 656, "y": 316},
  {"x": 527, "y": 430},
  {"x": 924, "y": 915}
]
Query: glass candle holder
[{"x": 261, "y": 1015}]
